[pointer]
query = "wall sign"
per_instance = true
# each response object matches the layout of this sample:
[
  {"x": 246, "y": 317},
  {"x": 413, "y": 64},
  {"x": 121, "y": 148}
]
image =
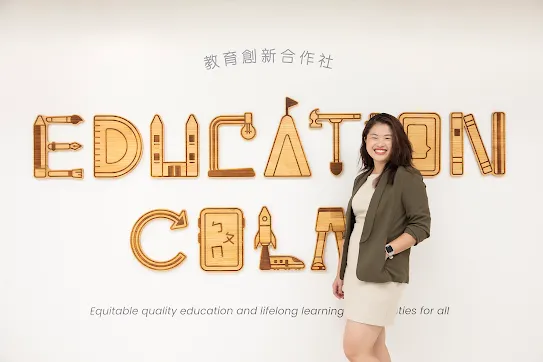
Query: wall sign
[
  {"x": 118, "y": 145},
  {"x": 222, "y": 242},
  {"x": 118, "y": 148}
]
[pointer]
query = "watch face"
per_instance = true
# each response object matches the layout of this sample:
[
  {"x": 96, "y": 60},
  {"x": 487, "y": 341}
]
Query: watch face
[{"x": 389, "y": 248}]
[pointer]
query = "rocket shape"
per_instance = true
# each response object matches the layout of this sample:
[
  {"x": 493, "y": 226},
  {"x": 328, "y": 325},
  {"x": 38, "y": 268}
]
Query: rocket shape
[{"x": 265, "y": 236}]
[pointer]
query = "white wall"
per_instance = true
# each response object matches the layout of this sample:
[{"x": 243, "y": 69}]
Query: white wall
[{"x": 67, "y": 243}]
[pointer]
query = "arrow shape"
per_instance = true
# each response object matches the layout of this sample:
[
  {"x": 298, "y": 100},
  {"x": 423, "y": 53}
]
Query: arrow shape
[{"x": 179, "y": 221}]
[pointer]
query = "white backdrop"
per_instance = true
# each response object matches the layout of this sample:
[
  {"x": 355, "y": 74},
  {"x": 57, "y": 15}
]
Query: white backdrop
[{"x": 66, "y": 242}]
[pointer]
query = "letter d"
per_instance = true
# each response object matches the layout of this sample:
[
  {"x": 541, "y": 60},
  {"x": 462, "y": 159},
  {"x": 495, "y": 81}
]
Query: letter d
[{"x": 117, "y": 146}]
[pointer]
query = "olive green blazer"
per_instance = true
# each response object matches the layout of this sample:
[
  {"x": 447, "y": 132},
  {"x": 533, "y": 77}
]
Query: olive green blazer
[{"x": 393, "y": 210}]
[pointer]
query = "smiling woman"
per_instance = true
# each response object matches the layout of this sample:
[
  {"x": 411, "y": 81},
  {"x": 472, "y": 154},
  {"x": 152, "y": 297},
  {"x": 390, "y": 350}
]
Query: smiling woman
[
  {"x": 379, "y": 142},
  {"x": 385, "y": 145},
  {"x": 387, "y": 214}
]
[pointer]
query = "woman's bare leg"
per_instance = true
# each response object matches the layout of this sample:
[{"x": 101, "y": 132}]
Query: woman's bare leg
[
  {"x": 380, "y": 348},
  {"x": 359, "y": 341}
]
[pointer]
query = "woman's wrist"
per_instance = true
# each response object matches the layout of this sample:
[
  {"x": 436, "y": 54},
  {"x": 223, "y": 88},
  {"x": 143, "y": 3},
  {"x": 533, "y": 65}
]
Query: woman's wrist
[{"x": 403, "y": 242}]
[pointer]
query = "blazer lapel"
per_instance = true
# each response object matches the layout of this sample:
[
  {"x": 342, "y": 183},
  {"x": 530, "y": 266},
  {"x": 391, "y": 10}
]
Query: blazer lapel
[
  {"x": 360, "y": 182},
  {"x": 374, "y": 204}
]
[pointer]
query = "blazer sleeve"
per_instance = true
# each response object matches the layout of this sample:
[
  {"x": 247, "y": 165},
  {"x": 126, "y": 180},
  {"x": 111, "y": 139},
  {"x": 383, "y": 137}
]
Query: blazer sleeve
[{"x": 417, "y": 210}]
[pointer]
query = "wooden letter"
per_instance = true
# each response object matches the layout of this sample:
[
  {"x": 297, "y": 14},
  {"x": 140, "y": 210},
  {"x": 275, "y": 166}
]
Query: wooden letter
[{"x": 117, "y": 146}]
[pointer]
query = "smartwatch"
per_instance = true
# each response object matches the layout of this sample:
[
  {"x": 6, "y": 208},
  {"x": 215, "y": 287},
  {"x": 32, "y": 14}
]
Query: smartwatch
[{"x": 390, "y": 251}]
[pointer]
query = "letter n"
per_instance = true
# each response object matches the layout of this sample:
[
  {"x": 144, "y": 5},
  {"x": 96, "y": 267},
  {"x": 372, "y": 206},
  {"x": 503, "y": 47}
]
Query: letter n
[{"x": 459, "y": 122}]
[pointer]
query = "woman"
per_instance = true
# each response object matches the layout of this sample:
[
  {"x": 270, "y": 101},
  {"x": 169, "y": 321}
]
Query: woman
[{"x": 387, "y": 214}]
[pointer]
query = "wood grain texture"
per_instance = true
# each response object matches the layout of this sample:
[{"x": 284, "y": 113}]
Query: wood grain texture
[
  {"x": 424, "y": 132},
  {"x": 328, "y": 219},
  {"x": 287, "y": 157},
  {"x": 456, "y": 137},
  {"x": 265, "y": 238},
  {"x": 248, "y": 132},
  {"x": 117, "y": 146},
  {"x": 42, "y": 147},
  {"x": 221, "y": 239},
  {"x": 336, "y": 119},
  {"x": 179, "y": 221},
  {"x": 160, "y": 167},
  {"x": 477, "y": 144},
  {"x": 498, "y": 143}
]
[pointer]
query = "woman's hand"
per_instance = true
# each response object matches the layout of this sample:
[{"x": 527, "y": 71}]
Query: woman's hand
[{"x": 337, "y": 288}]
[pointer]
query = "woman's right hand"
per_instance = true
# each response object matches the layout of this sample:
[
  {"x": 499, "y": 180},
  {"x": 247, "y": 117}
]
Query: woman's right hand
[{"x": 337, "y": 288}]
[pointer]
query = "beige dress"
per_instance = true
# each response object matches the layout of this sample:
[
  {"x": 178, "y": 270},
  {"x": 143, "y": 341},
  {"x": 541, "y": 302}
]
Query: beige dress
[{"x": 369, "y": 303}]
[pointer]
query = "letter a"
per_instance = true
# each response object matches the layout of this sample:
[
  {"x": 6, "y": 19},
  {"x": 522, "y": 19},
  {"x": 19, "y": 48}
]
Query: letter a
[{"x": 287, "y": 157}]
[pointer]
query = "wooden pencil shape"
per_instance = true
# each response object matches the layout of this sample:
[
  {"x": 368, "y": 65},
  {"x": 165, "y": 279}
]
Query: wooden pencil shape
[
  {"x": 477, "y": 144},
  {"x": 40, "y": 148}
]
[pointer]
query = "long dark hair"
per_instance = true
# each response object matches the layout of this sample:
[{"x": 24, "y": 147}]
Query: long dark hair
[{"x": 402, "y": 150}]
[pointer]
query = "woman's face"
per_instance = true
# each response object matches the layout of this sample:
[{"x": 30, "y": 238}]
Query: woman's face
[{"x": 379, "y": 143}]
